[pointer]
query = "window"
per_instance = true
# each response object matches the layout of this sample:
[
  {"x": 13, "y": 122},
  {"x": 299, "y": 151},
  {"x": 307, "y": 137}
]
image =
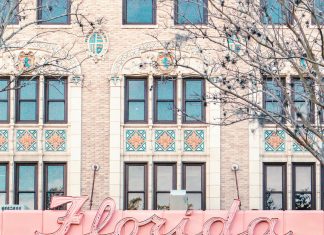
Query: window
[
  {"x": 54, "y": 182},
  {"x": 139, "y": 11},
  {"x": 26, "y": 185},
  {"x": 8, "y": 12},
  {"x": 274, "y": 98},
  {"x": 191, "y": 12},
  {"x": 54, "y": 11},
  {"x": 55, "y": 100},
  {"x": 319, "y": 12},
  {"x": 303, "y": 186},
  {"x": 4, "y": 100},
  {"x": 194, "y": 100},
  {"x": 135, "y": 186},
  {"x": 4, "y": 184},
  {"x": 165, "y": 98},
  {"x": 136, "y": 101},
  {"x": 193, "y": 181},
  {"x": 27, "y": 101},
  {"x": 274, "y": 186},
  {"x": 301, "y": 101},
  {"x": 165, "y": 180},
  {"x": 273, "y": 12}
]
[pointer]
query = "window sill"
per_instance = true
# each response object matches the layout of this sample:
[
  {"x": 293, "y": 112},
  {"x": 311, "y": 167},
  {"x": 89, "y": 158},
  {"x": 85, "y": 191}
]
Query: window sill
[
  {"x": 190, "y": 26},
  {"x": 54, "y": 26},
  {"x": 139, "y": 26}
]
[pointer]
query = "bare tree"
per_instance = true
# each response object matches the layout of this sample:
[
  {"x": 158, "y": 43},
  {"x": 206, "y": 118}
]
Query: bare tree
[
  {"x": 266, "y": 59},
  {"x": 30, "y": 43}
]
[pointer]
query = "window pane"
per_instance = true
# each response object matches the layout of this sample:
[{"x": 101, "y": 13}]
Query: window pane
[
  {"x": 303, "y": 178},
  {"x": 319, "y": 9},
  {"x": 3, "y": 178},
  {"x": 49, "y": 198},
  {"x": 274, "y": 107},
  {"x": 27, "y": 111},
  {"x": 8, "y": 7},
  {"x": 55, "y": 178},
  {"x": 136, "y": 111},
  {"x": 26, "y": 178},
  {"x": 194, "y": 201},
  {"x": 136, "y": 89},
  {"x": 3, "y": 198},
  {"x": 140, "y": 11},
  {"x": 274, "y": 201},
  {"x": 28, "y": 90},
  {"x": 3, "y": 84},
  {"x": 274, "y": 12},
  {"x": 190, "y": 11},
  {"x": 56, "y": 89},
  {"x": 303, "y": 108},
  {"x": 164, "y": 178},
  {"x": 165, "y": 111},
  {"x": 136, "y": 178},
  {"x": 163, "y": 201},
  {"x": 56, "y": 111},
  {"x": 165, "y": 90},
  {"x": 273, "y": 91},
  {"x": 193, "y": 178},
  {"x": 135, "y": 201},
  {"x": 27, "y": 199},
  {"x": 3, "y": 111},
  {"x": 274, "y": 178},
  {"x": 194, "y": 90},
  {"x": 54, "y": 11},
  {"x": 303, "y": 201},
  {"x": 299, "y": 92},
  {"x": 193, "y": 111}
]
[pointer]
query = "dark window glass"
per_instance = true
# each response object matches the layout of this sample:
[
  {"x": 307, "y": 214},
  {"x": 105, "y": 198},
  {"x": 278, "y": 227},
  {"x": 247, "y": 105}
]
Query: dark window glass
[
  {"x": 55, "y": 104},
  {"x": 274, "y": 98},
  {"x": 302, "y": 102},
  {"x": 27, "y": 101},
  {"x": 26, "y": 185},
  {"x": 319, "y": 11},
  {"x": 3, "y": 184},
  {"x": 165, "y": 180},
  {"x": 194, "y": 96},
  {"x": 55, "y": 180},
  {"x": 274, "y": 12},
  {"x": 303, "y": 187},
  {"x": 191, "y": 12},
  {"x": 136, "y": 100},
  {"x": 8, "y": 12},
  {"x": 4, "y": 100},
  {"x": 53, "y": 11},
  {"x": 135, "y": 186},
  {"x": 193, "y": 181},
  {"x": 274, "y": 192},
  {"x": 164, "y": 96},
  {"x": 139, "y": 11}
]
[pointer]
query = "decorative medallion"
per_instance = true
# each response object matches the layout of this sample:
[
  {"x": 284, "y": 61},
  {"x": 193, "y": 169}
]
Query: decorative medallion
[
  {"x": 194, "y": 140},
  {"x": 274, "y": 141},
  {"x": 165, "y": 62},
  {"x": 26, "y": 61},
  {"x": 135, "y": 140},
  {"x": 233, "y": 43},
  {"x": 298, "y": 148},
  {"x": 97, "y": 44},
  {"x": 26, "y": 140},
  {"x": 55, "y": 140},
  {"x": 164, "y": 140},
  {"x": 3, "y": 140}
]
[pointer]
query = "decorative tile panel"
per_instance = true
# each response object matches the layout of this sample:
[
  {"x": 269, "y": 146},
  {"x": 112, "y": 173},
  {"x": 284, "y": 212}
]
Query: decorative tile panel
[
  {"x": 55, "y": 140},
  {"x": 3, "y": 140},
  {"x": 135, "y": 140},
  {"x": 274, "y": 141},
  {"x": 194, "y": 140},
  {"x": 164, "y": 140},
  {"x": 26, "y": 140},
  {"x": 298, "y": 148}
]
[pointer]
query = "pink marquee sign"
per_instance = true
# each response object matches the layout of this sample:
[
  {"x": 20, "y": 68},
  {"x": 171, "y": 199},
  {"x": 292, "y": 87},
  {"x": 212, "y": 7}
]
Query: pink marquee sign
[{"x": 109, "y": 221}]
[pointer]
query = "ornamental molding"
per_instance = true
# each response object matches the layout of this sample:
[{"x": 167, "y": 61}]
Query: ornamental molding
[{"x": 38, "y": 58}]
